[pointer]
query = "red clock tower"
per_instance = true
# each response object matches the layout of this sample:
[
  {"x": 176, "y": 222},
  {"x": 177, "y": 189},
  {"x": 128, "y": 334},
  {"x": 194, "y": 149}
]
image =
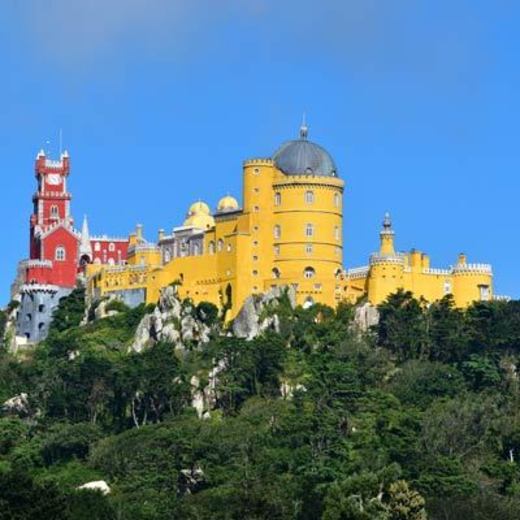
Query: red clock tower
[{"x": 53, "y": 240}]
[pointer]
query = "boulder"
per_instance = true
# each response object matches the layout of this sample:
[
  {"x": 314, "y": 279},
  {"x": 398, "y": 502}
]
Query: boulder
[
  {"x": 366, "y": 316},
  {"x": 252, "y": 319},
  {"x": 169, "y": 302},
  {"x": 170, "y": 321},
  {"x": 142, "y": 334},
  {"x": 17, "y": 405},
  {"x": 101, "y": 312},
  {"x": 96, "y": 485},
  {"x": 190, "y": 480}
]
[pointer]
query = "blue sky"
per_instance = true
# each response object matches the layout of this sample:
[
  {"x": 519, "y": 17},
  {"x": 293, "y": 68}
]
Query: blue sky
[{"x": 161, "y": 100}]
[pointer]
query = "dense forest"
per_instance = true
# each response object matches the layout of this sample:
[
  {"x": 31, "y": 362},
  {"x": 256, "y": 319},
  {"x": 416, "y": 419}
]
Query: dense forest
[{"x": 417, "y": 417}]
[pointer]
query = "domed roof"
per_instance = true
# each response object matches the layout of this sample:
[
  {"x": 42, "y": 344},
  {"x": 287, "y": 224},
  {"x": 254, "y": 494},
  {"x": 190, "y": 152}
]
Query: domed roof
[
  {"x": 227, "y": 203},
  {"x": 199, "y": 216},
  {"x": 200, "y": 221},
  {"x": 199, "y": 208},
  {"x": 303, "y": 157}
]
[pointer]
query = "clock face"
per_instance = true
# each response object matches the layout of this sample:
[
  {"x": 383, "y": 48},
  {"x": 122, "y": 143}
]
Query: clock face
[{"x": 54, "y": 179}]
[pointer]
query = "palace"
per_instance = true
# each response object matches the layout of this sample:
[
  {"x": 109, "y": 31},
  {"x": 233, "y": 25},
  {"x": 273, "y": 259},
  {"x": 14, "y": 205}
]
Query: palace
[{"x": 287, "y": 232}]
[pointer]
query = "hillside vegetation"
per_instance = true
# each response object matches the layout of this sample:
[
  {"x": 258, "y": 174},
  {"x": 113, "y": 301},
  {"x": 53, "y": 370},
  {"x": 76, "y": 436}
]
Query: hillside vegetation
[{"x": 418, "y": 418}]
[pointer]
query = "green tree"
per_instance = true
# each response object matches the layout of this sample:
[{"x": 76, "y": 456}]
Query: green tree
[
  {"x": 402, "y": 327},
  {"x": 447, "y": 331},
  {"x": 405, "y": 503}
]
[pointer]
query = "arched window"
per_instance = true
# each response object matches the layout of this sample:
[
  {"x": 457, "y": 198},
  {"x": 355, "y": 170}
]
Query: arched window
[
  {"x": 276, "y": 250},
  {"x": 309, "y": 230},
  {"x": 337, "y": 200},
  {"x": 211, "y": 247},
  {"x": 309, "y": 272},
  {"x": 97, "y": 246},
  {"x": 167, "y": 256},
  {"x": 308, "y": 249},
  {"x": 196, "y": 249},
  {"x": 54, "y": 211},
  {"x": 276, "y": 272},
  {"x": 309, "y": 197},
  {"x": 277, "y": 231},
  {"x": 220, "y": 244},
  {"x": 336, "y": 232},
  {"x": 60, "y": 254},
  {"x": 111, "y": 247},
  {"x": 229, "y": 248},
  {"x": 277, "y": 199},
  {"x": 338, "y": 272}
]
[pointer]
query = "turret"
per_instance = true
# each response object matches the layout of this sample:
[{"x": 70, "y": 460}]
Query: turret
[
  {"x": 471, "y": 282},
  {"x": 387, "y": 237},
  {"x": 85, "y": 247}
]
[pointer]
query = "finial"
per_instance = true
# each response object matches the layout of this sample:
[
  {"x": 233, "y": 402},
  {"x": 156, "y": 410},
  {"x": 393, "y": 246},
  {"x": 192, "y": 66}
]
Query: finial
[
  {"x": 387, "y": 222},
  {"x": 304, "y": 129}
]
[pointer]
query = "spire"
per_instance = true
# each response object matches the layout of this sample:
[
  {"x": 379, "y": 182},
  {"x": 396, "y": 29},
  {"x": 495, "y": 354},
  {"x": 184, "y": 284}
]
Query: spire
[
  {"x": 387, "y": 223},
  {"x": 85, "y": 247},
  {"x": 387, "y": 237},
  {"x": 304, "y": 129}
]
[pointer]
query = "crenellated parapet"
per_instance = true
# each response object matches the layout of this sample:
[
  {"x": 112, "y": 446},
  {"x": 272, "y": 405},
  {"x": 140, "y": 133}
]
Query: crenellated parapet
[
  {"x": 260, "y": 161},
  {"x": 468, "y": 269}
]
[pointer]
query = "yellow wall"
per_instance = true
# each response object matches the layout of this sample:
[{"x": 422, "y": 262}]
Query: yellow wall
[{"x": 266, "y": 244}]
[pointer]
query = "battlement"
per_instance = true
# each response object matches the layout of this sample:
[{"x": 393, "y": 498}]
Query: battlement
[
  {"x": 36, "y": 263},
  {"x": 29, "y": 288},
  {"x": 358, "y": 272},
  {"x": 259, "y": 161},
  {"x": 51, "y": 195},
  {"x": 143, "y": 248},
  {"x": 435, "y": 271},
  {"x": 473, "y": 269},
  {"x": 44, "y": 164},
  {"x": 106, "y": 238},
  {"x": 377, "y": 259}
]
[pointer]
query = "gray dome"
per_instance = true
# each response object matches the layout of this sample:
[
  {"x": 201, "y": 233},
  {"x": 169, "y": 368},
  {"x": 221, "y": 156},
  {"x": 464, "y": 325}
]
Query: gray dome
[{"x": 302, "y": 157}]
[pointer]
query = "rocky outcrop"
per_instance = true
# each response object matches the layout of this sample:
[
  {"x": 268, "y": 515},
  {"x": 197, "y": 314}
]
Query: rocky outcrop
[
  {"x": 190, "y": 479},
  {"x": 366, "y": 316},
  {"x": 96, "y": 485},
  {"x": 204, "y": 400},
  {"x": 258, "y": 313},
  {"x": 17, "y": 405},
  {"x": 101, "y": 310},
  {"x": 170, "y": 321},
  {"x": 287, "y": 389}
]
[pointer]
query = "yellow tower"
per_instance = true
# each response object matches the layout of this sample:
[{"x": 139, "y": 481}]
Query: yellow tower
[
  {"x": 471, "y": 282},
  {"x": 386, "y": 267},
  {"x": 307, "y": 225}
]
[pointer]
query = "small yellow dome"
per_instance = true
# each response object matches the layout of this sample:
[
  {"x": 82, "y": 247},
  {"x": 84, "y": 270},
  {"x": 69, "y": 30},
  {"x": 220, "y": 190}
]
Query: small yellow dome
[
  {"x": 200, "y": 221},
  {"x": 199, "y": 208},
  {"x": 227, "y": 203}
]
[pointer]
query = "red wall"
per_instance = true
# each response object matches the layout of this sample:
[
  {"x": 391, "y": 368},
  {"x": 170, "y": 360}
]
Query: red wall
[
  {"x": 63, "y": 272},
  {"x": 104, "y": 255}
]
